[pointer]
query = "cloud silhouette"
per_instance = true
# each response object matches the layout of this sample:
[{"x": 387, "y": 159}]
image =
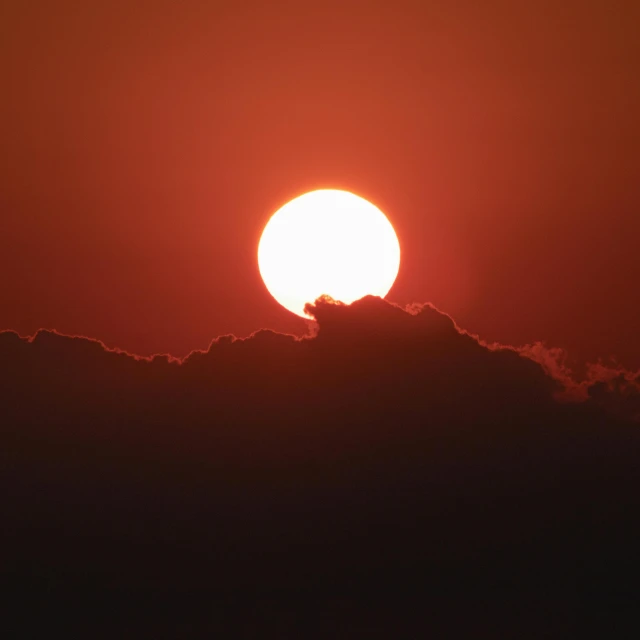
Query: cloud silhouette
[{"x": 389, "y": 459}]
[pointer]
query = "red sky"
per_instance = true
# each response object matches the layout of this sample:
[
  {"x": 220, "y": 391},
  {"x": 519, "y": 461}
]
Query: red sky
[{"x": 143, "y": 146}]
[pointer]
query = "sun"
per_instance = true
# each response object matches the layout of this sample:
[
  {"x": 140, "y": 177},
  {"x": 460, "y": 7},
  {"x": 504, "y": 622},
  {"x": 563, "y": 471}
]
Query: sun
[{"x": 327, "y": 242}]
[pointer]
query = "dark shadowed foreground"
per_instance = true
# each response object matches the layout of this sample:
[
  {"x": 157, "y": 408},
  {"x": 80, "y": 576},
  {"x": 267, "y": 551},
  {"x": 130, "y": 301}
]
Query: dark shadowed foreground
[{"x": 390, "y": 477}]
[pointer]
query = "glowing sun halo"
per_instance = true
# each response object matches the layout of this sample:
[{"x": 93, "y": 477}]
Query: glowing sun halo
[{"x": 327, "y": 242}]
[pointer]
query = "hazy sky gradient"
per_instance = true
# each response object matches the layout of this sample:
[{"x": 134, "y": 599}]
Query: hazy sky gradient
[{"x": 144, "y": 147}]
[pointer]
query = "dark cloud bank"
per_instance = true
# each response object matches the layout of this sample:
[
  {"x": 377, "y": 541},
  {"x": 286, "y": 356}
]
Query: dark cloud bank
[{"x": 388, "y": 477}]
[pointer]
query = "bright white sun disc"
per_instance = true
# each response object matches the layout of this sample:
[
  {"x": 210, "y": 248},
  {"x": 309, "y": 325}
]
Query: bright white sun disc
[{"x": 327, "y": 242}]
